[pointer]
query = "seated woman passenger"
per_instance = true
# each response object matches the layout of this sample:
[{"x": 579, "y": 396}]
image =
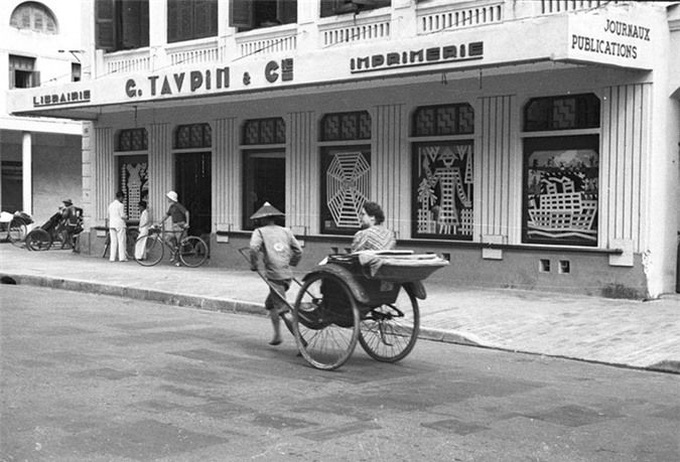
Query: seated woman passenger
[{"x": 373, "y": 235}]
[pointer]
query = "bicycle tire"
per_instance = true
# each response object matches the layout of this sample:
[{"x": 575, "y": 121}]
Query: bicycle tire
[
  {"x": 38, "y": 240},
  {"x": 193, "y": 251},
  {"x": 388, "y": 333},
  {"x": 16, "y": 232},
  {"x": 325, "y": 321},
  {"x": 153, "y": 250}
]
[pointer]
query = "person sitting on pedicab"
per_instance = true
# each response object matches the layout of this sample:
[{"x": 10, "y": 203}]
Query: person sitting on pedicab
[
  {"x": 278, "y": 250},
  {"x": 373, "y": 235}
]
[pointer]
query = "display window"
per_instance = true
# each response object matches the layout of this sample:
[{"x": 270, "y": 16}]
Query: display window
[
  {"x": 443, "y": 172},
  {"x": 132, "y": 169},
  {"x": 561, "y": 173}
]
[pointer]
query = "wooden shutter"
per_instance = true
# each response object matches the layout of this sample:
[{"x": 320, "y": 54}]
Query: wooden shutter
[
  {"x": 35, "y": 79},
  {"x": 205, "y": 18},
  {"x": 241, "y": 14},
  {"x": 144, "y": 24},
  {"x": 130, "y": 17},
  {"x": 328, "y": 7},
  {"x": 287, "y": 11},
  {"x": 105, "y": 31}
]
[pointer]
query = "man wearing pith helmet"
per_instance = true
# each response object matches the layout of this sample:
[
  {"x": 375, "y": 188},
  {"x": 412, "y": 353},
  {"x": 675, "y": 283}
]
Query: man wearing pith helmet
[
  {"x": 278, "y": 250},
  {"x": 179, "y": 215}
]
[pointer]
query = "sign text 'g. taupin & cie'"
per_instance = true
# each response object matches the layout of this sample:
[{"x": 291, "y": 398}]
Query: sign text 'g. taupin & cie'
[
  {"x": 187, "y": 82},
  {"x": 419, "y": 57}
]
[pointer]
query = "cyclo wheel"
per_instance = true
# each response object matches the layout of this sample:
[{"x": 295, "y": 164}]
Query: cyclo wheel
[
  {"x": 326, "y": 321},
  {"x": 388, "y": 333},
  {"x": 16, "y": 232},
  {"x": 193, "y": 251},
  {"x": 38, "y": 239},
  {"x": 153, "y": 250}
]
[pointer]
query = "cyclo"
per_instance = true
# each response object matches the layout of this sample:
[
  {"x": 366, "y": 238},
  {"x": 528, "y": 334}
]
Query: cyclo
[{"x": 368, "y": 297}]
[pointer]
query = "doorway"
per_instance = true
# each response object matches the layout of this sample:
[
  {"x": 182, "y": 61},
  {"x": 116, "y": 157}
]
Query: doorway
[
  {"x": 264, "y": 181},
  {"x": 193, "y": 185}
]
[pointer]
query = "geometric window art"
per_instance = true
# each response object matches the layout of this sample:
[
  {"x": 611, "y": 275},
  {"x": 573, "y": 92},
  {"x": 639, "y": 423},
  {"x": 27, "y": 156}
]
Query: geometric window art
[
  {"x": 264, "y": 131},
  {"x": 561, "y": 190},
  {"x": 569, "y": 112},
  {"x": 443, "y": 190},
  {"x": 133, "y": 181},
  {"x": 345, "y": 188},
  {"x": 132, "y": 139},
  {"x": 193, "y": 136},
  {"x": 346, "y": 126},
  {"x": 448, "y": 119}
]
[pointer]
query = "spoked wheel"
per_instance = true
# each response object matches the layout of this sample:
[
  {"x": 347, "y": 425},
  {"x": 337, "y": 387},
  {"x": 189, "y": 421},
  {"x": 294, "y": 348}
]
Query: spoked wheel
[
  {"x": 388, "y": 333},
  {"x": 326, "y": 320},
  {"x": 193, "y": 251},
  {"x": 16, "y": 233},
  {"x": 153, "y": 250},
  {"x": 38, "y": 239}
]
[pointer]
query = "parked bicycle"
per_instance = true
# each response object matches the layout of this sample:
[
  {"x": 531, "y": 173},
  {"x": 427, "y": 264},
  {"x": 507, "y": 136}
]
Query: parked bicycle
[
  {"x": 191, "y": 251},
  {"x": 13, "y": 227}
]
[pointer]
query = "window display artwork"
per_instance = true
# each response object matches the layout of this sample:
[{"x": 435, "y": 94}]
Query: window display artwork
[
  {"x": 347, "y": 187},
  {"x": 444, "y": 183},
  {"x": 134, "y": 183},
  {"x": 562, "y": 196}
]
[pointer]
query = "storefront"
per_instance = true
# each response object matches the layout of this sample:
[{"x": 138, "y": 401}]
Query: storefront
[{"x": 535, "y": 164}]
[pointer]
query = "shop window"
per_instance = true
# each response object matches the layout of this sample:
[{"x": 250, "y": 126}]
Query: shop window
[
  {"x": 133, "y": 181},
  {"x": 22, "y": 73},
  {"x": 76, "y": 72},
  {"x": 561, "y": 173},
  {"x": 255, "y": 14},
  {"x": 335, "y": 7},
  {"x": 191, "y": 19},
  {"x": 133, "y": 139},
  {"x": 443, "y": 174},
  {"x": 569, "y": 112},
  {"x": 561, "y": 177},
  {"x": 264, "y": 131},
  {"x": 121, "y": 24},
  {"x": 192, "y": 136},
  {"x": 345, "y": 187},
  {"x": 346, "y": 126},
  {"x": 34, "y": 16}
]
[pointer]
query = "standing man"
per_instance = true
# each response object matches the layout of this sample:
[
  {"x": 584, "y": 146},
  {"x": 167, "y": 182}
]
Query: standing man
[
  {"x": 117, "y": 228},
  {"x": 279, "y": 250},
  {"x": 180, "y": 219}
]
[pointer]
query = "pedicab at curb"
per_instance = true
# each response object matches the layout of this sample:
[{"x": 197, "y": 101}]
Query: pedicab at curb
[{"x": 367, "y": 297}]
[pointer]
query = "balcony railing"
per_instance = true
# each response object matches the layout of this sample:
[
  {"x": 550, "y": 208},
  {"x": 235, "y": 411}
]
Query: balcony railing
[
  {"x": 459, "y": 16},
  {"x": 268, "y": 40},
  {"x": 193, "y": 53},
  {"x": 355, "y": 30},
  {"x": 125, "y": 62},
  {"x": 560, "y": 6}
]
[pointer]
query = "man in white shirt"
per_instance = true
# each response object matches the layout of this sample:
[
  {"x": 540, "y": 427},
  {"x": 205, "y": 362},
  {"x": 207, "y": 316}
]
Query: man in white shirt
[{"x": 117, "y": 226}]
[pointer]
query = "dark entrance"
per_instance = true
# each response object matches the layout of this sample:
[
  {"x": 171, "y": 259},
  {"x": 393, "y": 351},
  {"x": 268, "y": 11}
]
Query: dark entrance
[
  {"x": 194, "y": 187},
  {"x": 265, "y": 181}
]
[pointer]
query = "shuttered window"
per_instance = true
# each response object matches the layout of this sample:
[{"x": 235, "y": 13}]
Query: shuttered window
[
  {"x": 334, "y": 7},
  {"x": 191, "y": 19},
  {"x": 34, "y": 16},
  {"x": 121, "y": 24},
  {"x": 254, "y": 14},
  {"x": 22, "y": 73}
]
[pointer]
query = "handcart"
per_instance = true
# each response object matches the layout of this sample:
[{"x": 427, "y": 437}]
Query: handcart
[{"x": 365, "y": 297}]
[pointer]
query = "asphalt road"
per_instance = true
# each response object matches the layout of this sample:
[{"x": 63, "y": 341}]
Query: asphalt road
[{"x": 95, "y": 378}]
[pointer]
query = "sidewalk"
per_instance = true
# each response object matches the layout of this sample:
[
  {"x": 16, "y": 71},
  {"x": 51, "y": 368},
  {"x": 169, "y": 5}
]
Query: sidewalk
[{"x": 621, "y": 332}]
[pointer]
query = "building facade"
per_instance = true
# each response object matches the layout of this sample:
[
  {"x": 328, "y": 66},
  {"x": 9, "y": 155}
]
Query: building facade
[
  {"x": 534, "y": 144},
  {"x": 42, "y": 47}
]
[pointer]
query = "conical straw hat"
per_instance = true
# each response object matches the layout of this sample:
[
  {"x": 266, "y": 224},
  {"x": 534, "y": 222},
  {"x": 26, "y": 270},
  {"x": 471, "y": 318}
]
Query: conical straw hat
[{"x": 267, "y": 210}]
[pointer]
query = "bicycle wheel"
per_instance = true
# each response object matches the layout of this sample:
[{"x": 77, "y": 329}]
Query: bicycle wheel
[
  {"x": 38, "y": 239},
  {"x": 16, "y": 233},
  {"x": 325, "y": 321},
  {"x": 153, "y": 250},
  {"x": 193, "y": 251},
  {"x": 388, "y": 333},
  {"x": 130, "y": 242}
]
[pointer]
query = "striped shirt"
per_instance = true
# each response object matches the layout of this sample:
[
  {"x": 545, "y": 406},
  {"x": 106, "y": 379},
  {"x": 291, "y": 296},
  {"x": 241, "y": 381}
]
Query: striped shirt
[{"x": 374, "y": 238}]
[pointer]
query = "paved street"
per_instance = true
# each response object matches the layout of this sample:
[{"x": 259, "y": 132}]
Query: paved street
[{"x": 95, "y": 378}]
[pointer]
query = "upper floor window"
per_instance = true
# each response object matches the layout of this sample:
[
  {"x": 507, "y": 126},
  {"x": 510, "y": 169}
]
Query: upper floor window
[
  {"x": 22, "y": 73},
  {"x": 191, "y": 19},
  {"x": 34, "y": 16},
  {"x": 254, "y": 14},
  {"x": 569, "y": 112},
  {"x": 333, "y": 7},
  {"x": 121, "y": 24}
]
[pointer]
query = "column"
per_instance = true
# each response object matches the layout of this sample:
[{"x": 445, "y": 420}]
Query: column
[{"x": 27, "y": 173}]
